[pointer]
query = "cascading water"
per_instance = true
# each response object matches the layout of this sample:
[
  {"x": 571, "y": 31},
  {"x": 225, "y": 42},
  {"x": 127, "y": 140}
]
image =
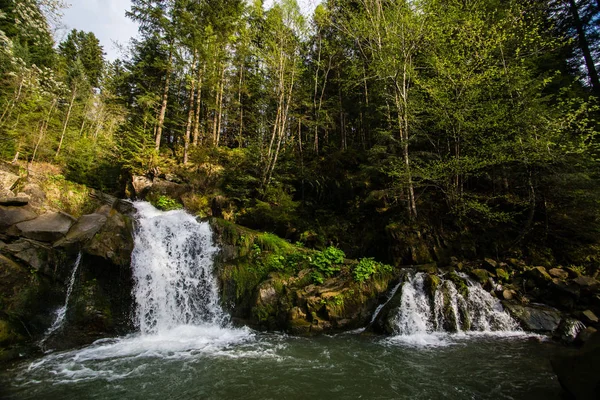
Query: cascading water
[
  {"x": 426, "y": 314},
  {"x": 172, "y": 267},
  {"x": 60, "y": 314}
]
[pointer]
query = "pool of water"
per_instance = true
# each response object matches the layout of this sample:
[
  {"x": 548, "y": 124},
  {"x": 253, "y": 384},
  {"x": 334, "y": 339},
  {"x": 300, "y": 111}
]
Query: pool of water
[{"x": 208, "y": 362}]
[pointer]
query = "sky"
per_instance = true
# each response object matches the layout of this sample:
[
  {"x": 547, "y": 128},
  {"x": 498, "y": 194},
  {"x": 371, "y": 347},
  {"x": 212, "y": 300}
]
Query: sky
[{"x": 106, "y": 18}]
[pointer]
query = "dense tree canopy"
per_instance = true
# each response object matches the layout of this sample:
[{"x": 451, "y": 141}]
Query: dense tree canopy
[{"x": 473, "y": 118}]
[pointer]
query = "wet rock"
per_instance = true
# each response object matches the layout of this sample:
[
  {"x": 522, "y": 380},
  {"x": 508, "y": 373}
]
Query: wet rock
[
  {"x": 578, "y": 374},
  {"x": 114, "y": 241},
  {"x": 49, "y": 227},
  {"x": 13, "y": 215},
  {"x": 535, "y": 318},
  {"x": 586, "y": 334},
  {"x": 7, "y": 180},
  {"x": 568, "y": 330},
  {"x": 17, "y": 201},
  {"x": 590, "y": 317},
  {"x": 125, "y": 207},
  {"x": 162, "y": 187},
  {"x": 84, "y": 229},
  {"x": 36, "y": 255},
  {"x": 502, "y": 274},
  {"x": 559, "y": 273},
  {"x": 516, "y": 264}
]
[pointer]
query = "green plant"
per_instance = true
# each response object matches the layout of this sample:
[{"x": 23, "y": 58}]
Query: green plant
[
  {"x": 367, "y": 267},
  {"x": 166, "y": 203},
  {"x": 327, "y": 262}
]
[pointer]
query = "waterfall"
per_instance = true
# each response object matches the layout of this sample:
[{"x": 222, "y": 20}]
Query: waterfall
[
  {"x": 60, "y": 314},
  {"x": 441, "y": 307},
  {"x": 172, "y": 265}
]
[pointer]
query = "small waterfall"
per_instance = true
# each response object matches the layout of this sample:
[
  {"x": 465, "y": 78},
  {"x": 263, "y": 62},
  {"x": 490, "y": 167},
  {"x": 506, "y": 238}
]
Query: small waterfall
[
  {"x": 172, "y": 267},
  {"x": 446, "y": 308},
  {"x": 60, "y": 314}
]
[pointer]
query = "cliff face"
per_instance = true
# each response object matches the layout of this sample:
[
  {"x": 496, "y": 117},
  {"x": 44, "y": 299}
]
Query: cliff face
[{"x": 39, "y": 249}]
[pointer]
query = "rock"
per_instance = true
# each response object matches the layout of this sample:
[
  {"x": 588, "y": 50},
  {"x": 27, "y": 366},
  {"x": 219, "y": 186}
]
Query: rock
[
  {"x": 489, "y": 264},
  {"x": 586, "y": 282},
  {"x": 20, "y": 200},
  {"x": 10, "y": 215},
  {"x": 49, "y": 227},
  {"x": 141, "y": 184},
  {"x": 33, "y": 254},
  {"x": 430, "y": 268},
  {"x": 559, "y": 273},
  {"x": 508, "y": 294},
  {"x": 516, "y": 264},
  {"x": 590, "y": 317},
  {"x": 535, "y": 318},
  {"x": 83, "y": 230},
  {"x": 125, "y": 207},
  {"x": 114, "y": 241},
  {"x": 573, "y": 273},
  {"x": 480, "y": 275},
  {"x": 37, "y": 197},
  {"x": 578, "y": 374},
  {"x": 161, "y": 187},
  {"x": 502, "y": 274},
  {"x": 568, "y": 330},
  {"x": 7, "y": 180},
  {"x": 539, "y": 274},
  {"x": 586, "y": 334}
]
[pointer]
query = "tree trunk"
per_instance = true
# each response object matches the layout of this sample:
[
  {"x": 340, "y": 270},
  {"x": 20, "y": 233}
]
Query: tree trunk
[
  {"x": 220, "y": 109},
  {"x": 188, "y": 127},
  {"x": 585, "y": 47},
  {"x": 198, "y": 105},
  {"x": 66, "y": 123},
  {"x": 165, "y": 99}
]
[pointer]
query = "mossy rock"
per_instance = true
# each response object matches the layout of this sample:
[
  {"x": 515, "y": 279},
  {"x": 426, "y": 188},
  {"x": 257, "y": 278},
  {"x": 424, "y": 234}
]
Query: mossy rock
[
  {"x": 502, "y": 274},
  {"x": 480, "y": 275},
  {"x": 432, "y": 283}
]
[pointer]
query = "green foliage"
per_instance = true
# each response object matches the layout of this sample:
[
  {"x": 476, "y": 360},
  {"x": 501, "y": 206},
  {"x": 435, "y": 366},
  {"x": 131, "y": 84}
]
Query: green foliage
[
  {"x": 367, "y": 267},
  {"x": 166, "y": 203},
  {"x": 327, "y": 263}
]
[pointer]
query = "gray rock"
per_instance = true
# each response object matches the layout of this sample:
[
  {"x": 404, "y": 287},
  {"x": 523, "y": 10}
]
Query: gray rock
[
  {"x": 7, "y": 180},
  {"x": 35, "y": 255},
  {"x": 535, "y": 318},
  {"x": 11, "y": 215},
  {"x": 586, "y": 334},
  {"x": 83, "y": 230},
  {"x": 49, "y": 227},
  {"x": 568, "y": 330},
  {"x": 539, "y": 274},
  {"x": 17, "y": 201},
  {"x": 114, "y": 241},
  {"x": 141, "y": 184},
  {"x": 36, "y": 194},
  {"x": 586, "y": 282}
]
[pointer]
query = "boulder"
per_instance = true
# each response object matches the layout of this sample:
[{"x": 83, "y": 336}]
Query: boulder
[
  {"x": 586, "y": 282},
  {"x": 140, "y": 184},
  {"x": 49, "y": 227},
  {"x": 83, "y": 230},
  {"x": 586, "y": 334},
  {"x": 568, "y": 330},
  {"x": 558, "y": 273},
  {"x": 114, "y": 241},
  {"x": 508, "y": 294},
  {"x": 19, "y": 200},
  {"x": 11, "y": 215},
  {"x": 502, "y": 274},
  {"x": 590, "y": 317},
  {"x": 7, "y": 180},
  {"x": 480, "y": 275},
  {"x": 162, "y": 187},
  {"x": 37, "y": 197},
  {"x": 535, "y": 318},
  {"x": 578, "y": 374},
  {"x": 33, "y": 254}
]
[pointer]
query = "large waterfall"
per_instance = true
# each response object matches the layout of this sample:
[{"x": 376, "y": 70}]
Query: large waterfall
[
  {"x": 434, "y": 308},
  {"x": 172, "y": 267}
]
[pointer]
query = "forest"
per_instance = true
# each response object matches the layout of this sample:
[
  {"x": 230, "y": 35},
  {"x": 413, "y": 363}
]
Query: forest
[{"x": 468, "y": 125}]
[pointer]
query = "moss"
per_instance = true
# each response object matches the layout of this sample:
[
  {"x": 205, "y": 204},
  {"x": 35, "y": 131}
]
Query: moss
[
  {"x": 432, "y": 282},
  {"x": 502, "y": 275},
  {"x": 480, "y": 275},
  {"x": 459, "y": 283}
]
